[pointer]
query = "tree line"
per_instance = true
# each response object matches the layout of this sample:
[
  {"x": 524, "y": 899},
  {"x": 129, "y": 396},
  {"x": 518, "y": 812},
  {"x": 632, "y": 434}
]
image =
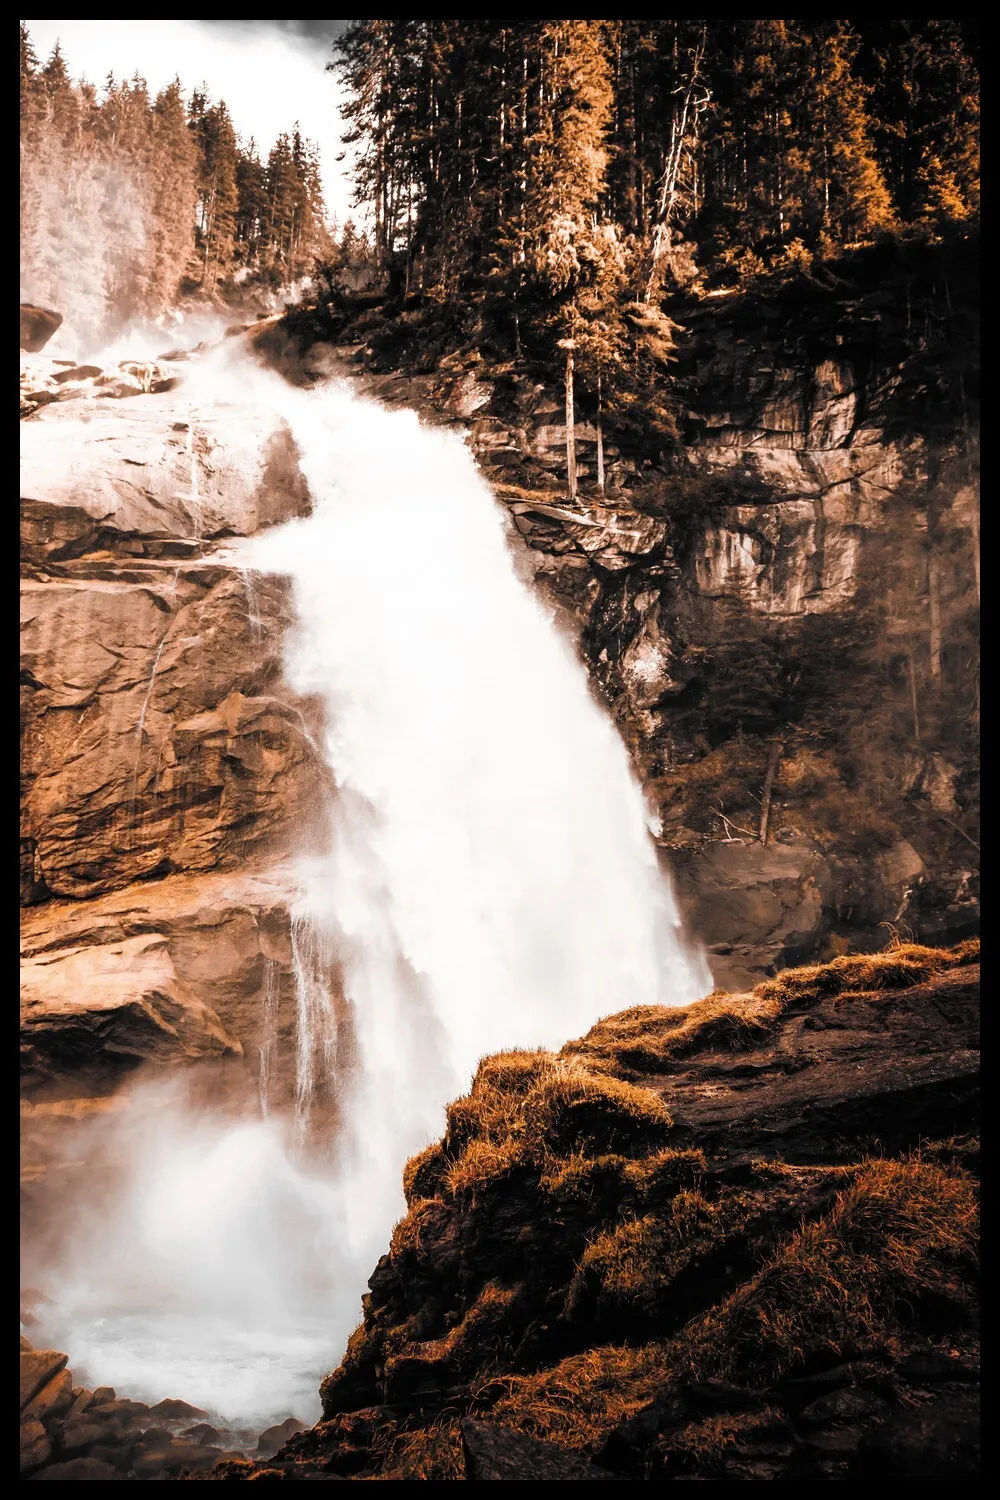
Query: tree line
[
  {"x": 129, "y": 200},
  {"x": 553, "y": 172}
]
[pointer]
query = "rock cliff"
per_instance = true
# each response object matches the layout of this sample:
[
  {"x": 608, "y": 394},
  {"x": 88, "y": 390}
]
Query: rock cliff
[{"x": 160, "y": 747}]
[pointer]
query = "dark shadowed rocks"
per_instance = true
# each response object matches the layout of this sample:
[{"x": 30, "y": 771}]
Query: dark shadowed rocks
[
  {"x": 500, "y": 1453},
  {"x": 38, "y": 324}
]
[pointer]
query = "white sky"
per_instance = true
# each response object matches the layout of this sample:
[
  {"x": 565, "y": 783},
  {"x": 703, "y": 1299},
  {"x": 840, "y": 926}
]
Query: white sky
[{"x": 269, "y": 78}]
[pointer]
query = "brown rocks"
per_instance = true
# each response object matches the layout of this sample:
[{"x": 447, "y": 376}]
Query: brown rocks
[
  {"x": 121, "y": 1004},
  {"x": 753, "y": 905},
  {"x": 37, "y": 1368},
  {"x": 68, "y": 1432},
  {"x": 54, "y": 1398},
  {"x": 939, "y": 1440},
  {"x": 38, "y": 324},
  {"x": 148, "y": 743},
  {"x": 273, "y": 1438},
  {"x": 169, "y": 1462},
  {"x": 36, "y": 1446},
  {"x": 109, "y": 473},
  {"x": 80, "y": 1468},
  {"x": 171, "y": 1409},
  {"x": 170, "y": 971}
]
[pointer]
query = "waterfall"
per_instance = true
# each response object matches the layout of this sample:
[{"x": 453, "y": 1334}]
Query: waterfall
[
  {"x": 489, "y": 881},
  {"x": 269, "y": 996}
]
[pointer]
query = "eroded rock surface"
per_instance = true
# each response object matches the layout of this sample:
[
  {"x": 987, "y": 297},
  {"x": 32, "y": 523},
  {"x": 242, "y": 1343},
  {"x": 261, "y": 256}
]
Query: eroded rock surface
[{"x": 157, "y": 734}]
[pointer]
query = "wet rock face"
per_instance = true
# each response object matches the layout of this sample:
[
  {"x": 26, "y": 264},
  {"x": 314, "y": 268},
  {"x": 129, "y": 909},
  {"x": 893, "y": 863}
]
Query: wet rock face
[
  {"x": 157, "y": 735},
  {"x": 184, "y": 972}
]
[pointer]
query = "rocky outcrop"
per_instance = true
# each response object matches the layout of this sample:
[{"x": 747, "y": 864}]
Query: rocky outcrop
[
  {"x": 38, "y": 324},
  {"x": 735, "y": 1241}
]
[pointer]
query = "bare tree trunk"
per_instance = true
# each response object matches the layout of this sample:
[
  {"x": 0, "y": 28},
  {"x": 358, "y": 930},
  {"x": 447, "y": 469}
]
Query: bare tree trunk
[
  {"x": 570, "y": 425},
  {"x": 934, "y": 592},
  {"x": 765, "y": 798},
  {"x": 600, "y": 440},
  {"x": 690, "y": 109}
]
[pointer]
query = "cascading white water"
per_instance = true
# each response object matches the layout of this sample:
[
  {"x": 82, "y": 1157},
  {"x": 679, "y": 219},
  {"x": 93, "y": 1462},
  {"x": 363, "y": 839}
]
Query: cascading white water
[{"x": 490, "y": 882}]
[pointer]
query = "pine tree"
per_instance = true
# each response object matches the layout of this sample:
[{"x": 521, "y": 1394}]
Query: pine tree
[
  {"x": 217, "y": 195},
  {"x": 173, "y": 169}
]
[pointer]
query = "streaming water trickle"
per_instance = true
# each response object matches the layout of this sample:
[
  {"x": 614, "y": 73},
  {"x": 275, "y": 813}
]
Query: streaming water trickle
[
  {"x": 269, "y": 998},
  {"x": 489, "y": 882}
]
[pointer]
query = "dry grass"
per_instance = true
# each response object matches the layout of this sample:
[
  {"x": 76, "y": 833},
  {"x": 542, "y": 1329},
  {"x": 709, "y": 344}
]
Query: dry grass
[
  {"x": 581, "y": 1399},
  {"x": 703, "y": 1446},
  {"x": 483, "y": 1163},
  {"x": 626, "y": 1273},
  {"x": 896, "y": 968},
  {"x": 572, "y": 1108},
  {"x": 558, "y": 1145},
  {"x": 423, "y": 1175},
  {"x": 804, "y": 770},
  {"x": 433, "y": 1452},
  {"x": 535, "y": 1110},
  {"x": 901, "y": 1231},
  {"x": 649, "y": 1039},
  {"x": 839, "y": 1288}
]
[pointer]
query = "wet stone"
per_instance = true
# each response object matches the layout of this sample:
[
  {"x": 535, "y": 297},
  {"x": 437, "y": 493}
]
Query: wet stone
[
  {"x": 36, "y": 1446},
  {"x": 273, "y": 1438},
  {"x": 79, "y": 1468},
  {"x": 173, "y": 1410},
  {"x": 204, "y": 1433},
  {"x": 36, "y": 1369},
  {"x": 54, "y": 1398}
]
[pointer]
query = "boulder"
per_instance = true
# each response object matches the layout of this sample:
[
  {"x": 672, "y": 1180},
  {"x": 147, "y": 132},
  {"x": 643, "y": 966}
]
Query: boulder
[
  {"x": 54, "y": 1398},
  {"x": 76, "y": 372},
  {"x": 904, "y": 1072},
  {"x": 149, "y": 744},
  {"x": 754, "y": 905},
  {"x": 174, "y": 1459},
  {"x": 79, "y": 1434},
  {"x": 171, "y": 1409},
  {"x": 205, "y": 1433},
  {"x": 80, "y": 1468},
  {"x": 273, "y": 1438},
  {"x": 154, "y": 471},
  {"x": 38, "y": 1366},
  {"x": 38, "y": 324},
  {"x": 36, "y": 1446}
]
